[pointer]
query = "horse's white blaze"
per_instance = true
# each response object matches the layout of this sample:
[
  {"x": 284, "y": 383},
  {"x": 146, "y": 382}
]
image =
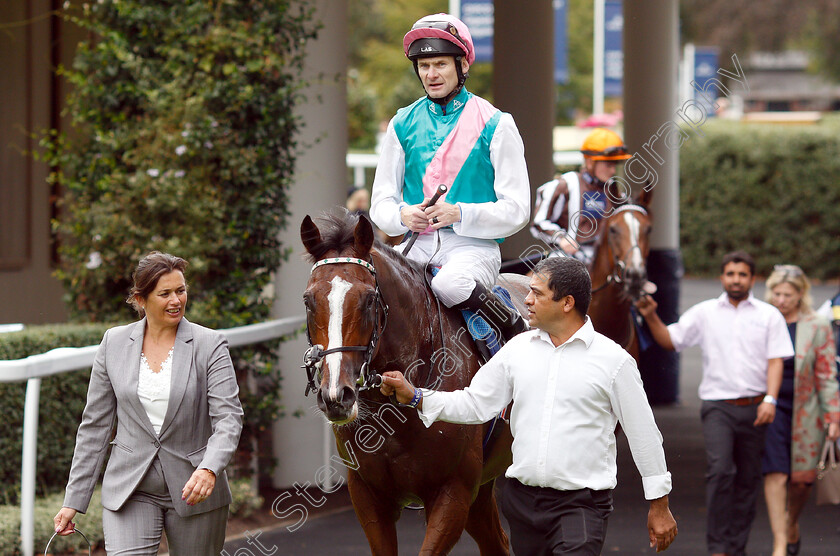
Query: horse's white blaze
[
  {"x": 633, "y": 225},
  {"x": 338, "y": 291}
]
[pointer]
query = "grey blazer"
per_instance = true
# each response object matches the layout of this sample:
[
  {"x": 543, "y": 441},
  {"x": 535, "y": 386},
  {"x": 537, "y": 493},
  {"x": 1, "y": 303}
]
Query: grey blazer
[{"x": 200, "y": 430}]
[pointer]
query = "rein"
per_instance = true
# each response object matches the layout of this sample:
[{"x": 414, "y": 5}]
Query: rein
[
  {"x": 313, "y": 357},
  {"x": 617, "y": 274}
]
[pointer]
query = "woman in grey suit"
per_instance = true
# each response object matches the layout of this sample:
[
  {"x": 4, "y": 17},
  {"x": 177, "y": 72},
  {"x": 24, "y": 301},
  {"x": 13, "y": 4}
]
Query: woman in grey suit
[{"x": 169, "y": 388}]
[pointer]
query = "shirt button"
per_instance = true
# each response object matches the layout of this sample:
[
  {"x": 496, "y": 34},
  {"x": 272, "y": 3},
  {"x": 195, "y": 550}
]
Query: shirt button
[{"x": 157, "y": 444}]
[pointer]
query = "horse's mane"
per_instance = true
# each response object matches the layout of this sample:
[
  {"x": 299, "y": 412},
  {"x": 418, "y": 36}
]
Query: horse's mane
[{"x": 337, "y": 229}]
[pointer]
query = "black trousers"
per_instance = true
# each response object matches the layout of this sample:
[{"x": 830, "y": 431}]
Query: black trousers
[
  {"x": 734, "y": 447},
  {"x": 550, "y": 522}
]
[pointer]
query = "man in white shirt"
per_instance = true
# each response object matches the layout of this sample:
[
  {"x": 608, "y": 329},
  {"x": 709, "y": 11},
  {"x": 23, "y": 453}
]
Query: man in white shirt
[
  {"x": 743, "y": 342},
  {"x": 570, "y": 386}
]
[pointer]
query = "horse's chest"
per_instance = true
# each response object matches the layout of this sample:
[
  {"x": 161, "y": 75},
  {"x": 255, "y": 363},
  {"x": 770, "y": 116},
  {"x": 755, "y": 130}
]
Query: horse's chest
[{"x": 407, "y": 455}]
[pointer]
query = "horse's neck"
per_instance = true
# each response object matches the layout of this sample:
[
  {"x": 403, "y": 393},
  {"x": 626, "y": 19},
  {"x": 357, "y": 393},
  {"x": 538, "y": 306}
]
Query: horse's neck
[
  {"x": 423, "y": 338},
  {"x": 603, "y": 262},
  {"x": 413, "y": 308}
]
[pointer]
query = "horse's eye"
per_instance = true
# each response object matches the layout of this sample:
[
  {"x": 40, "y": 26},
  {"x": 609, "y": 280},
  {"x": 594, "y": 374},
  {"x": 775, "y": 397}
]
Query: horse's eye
[{"x": 615, "y": 231}]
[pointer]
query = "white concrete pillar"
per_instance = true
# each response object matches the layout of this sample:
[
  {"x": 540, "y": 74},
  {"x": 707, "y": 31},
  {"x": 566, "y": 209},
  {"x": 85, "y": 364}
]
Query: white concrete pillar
[
  {"x": 320, "y": 182},
  {"x": 651, "y": 57}
]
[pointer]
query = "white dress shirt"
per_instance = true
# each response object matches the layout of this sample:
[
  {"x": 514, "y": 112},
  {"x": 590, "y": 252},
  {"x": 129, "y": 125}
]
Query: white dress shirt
[
  {"x": 153, "y": 389},
  {"x": 566, "y": 403},
  {"x": 736, "y": 343}
]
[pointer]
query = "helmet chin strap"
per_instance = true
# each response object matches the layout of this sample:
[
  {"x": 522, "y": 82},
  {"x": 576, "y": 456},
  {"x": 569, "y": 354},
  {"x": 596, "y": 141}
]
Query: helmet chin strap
[{"x": 592, "y": 180}]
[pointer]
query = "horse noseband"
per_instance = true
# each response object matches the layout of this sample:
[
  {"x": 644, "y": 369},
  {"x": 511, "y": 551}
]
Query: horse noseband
[
  {"x": 313, "y": 362},
  {"x": 313, "y": 357}
]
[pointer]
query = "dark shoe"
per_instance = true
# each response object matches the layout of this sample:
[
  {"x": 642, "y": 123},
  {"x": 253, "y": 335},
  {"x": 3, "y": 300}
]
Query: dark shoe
[
  {"x": 793, "y": 547},
  {"x": 504, "y": 320}
]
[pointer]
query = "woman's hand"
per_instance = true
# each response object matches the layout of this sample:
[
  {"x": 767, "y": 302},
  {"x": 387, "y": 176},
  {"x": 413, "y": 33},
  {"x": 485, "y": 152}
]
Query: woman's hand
[
  {"x": 64, "y": 521},
  {"x": 199, "y": 487}
]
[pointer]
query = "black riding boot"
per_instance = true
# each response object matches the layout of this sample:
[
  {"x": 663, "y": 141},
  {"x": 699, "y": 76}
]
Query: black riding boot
[{"x": 503, "y": 319}]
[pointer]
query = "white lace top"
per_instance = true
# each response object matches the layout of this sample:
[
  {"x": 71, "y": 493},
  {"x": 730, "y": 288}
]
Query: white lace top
[{"x": 153, "y": 389}]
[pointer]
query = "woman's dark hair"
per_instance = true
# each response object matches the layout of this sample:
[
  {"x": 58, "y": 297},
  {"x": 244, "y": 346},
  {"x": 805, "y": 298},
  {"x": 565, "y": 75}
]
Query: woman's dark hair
[
  {"x": 738, "y": 257},
  {"x": 567, "y": 276},
  {"x": 148, "y": 272}
]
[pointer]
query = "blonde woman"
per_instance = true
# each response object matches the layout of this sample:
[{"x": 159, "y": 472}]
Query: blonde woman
[{"x": 808, "y": 403}]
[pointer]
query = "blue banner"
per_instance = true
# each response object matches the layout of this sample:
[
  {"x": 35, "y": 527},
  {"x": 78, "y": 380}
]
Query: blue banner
[
  {"x": 478, "y": 16},
  {"x": 561, "y": 43},
  {"x": 705, "y": 68},
  {"x": 613, "y": 50}
]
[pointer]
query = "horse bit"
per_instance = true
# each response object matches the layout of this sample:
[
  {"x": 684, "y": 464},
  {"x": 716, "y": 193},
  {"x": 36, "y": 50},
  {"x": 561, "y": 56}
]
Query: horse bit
[
  {"x": 313, "y": 357},
  {"x": 617, "y": 275}
]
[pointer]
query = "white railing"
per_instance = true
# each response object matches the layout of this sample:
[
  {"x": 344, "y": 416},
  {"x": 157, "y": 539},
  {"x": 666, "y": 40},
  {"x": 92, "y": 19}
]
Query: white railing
[
  {"x": 359, "y": 162},
  {"x": 61, "y": 360}
]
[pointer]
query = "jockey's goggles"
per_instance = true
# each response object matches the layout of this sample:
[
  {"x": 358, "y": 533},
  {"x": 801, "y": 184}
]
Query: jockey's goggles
[{"x": 617, "y": 151}]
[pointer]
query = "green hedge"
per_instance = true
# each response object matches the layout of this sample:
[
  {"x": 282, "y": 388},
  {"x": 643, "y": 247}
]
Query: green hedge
[
  {"x": 45, "y": 509},
  {"x": 62, "y": 400},
  {"x": 771, "y": 190}
]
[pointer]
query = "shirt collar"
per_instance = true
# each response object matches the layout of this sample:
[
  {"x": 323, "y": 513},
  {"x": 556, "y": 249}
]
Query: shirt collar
[
  {"x": 585, "y": 334},
  {"x": 723, "y": 299},
  {"x": 455, "y": 105}
]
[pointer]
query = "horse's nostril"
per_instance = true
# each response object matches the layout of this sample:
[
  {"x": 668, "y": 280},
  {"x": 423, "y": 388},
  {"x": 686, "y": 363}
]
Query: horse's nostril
[{"x": 346, "y": 396}]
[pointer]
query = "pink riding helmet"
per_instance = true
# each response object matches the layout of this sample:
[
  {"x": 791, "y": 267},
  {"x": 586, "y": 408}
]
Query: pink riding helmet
[{"x": 439, "y": 26}]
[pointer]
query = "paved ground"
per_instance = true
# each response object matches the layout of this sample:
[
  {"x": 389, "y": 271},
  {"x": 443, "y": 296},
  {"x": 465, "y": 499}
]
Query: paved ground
[{"x": 339, "y": 533}]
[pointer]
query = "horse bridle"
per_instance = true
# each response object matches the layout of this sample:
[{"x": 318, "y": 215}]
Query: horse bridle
[
  {"x": 312, "y": 358},
  {"x": 617, "y": 275}
]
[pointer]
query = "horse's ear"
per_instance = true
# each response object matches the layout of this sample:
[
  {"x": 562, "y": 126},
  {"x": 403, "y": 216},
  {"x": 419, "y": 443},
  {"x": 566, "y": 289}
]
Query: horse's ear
[
  {"x": 645, "y": 196},
  {"x": 309, "y": 234},
  {"x": 363, "y": 234}
]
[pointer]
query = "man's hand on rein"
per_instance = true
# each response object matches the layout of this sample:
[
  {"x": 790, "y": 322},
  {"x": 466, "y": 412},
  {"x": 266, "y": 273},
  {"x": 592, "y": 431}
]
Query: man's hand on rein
[
  {"x": 394, "y": 383},
  {"x": 442, "y": 214}
]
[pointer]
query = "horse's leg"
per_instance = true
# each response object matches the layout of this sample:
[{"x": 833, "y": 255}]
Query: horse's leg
[
  {"x": 446, "y": 516},
  {"x": 484, "y": 525},
  {"x": 377, "y": 517}
]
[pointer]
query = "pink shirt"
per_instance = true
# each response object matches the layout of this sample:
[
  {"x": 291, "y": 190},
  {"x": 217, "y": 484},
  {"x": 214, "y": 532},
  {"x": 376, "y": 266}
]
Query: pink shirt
[{"x": 736, "y": 343}]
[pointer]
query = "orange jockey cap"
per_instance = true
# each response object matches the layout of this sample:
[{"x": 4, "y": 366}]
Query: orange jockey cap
[{"x": 603, "y": 144}]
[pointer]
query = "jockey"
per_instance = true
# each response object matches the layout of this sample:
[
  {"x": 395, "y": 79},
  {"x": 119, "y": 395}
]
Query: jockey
[
  {"x": 568, "y": 208},
  {"x": 455, "y": 138}
]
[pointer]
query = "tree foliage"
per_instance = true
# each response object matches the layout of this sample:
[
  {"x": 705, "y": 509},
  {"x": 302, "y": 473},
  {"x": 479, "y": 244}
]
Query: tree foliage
[
  {"x": 742, "y": 26},
  {"x": 183, "y": 140}
]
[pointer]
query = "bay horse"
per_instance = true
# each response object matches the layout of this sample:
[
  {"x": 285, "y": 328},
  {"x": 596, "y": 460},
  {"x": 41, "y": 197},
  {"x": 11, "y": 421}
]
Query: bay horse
[
  {"x": 619, "y": 272},
  {"x": 373, "y": 310}
]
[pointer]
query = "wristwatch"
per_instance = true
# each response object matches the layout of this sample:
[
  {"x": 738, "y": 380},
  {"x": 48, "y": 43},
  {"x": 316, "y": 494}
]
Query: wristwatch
[{"x": 769, "y": 399}]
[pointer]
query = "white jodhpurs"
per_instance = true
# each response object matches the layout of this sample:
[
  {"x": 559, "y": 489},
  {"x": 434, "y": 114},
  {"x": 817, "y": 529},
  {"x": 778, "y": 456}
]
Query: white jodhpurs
[{"x": 463, "y": 261}]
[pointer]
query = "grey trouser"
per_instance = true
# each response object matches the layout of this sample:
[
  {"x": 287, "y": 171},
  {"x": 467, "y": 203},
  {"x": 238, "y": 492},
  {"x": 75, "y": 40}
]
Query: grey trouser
[
  {"x": 137, "y": 527},
  {"x": 734, "y": 447}
]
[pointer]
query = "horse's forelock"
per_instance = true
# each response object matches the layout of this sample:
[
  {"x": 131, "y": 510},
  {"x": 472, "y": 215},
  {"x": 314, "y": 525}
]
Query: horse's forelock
[{"x": 336, "y": 234}]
